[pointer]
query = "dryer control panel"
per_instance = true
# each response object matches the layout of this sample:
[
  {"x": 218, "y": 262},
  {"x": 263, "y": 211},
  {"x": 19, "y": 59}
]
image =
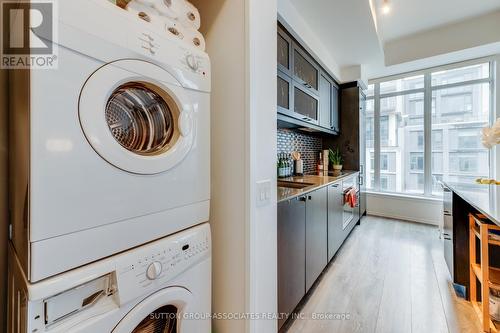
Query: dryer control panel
[{"x": 153, "y": 265}]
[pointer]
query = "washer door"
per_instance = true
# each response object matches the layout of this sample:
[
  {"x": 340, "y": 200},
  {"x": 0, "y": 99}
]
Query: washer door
[
  {"x": 160, "y": 312},
  {"x": 137, "y": 116}
]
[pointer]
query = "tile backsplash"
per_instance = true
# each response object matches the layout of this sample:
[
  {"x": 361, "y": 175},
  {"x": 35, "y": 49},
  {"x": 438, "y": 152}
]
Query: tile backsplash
[{"x": 307, "y": 145}]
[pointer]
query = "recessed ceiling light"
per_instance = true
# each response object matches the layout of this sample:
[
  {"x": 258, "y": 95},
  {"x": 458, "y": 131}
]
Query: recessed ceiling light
[{"x": 386, "y": 7}]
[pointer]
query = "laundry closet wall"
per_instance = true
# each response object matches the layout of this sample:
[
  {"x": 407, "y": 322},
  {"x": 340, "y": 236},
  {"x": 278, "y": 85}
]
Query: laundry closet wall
[{"x": 241, "y": 42}]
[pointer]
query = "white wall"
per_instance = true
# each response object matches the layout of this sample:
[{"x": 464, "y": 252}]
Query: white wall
[
  {"x": 223, "y": 25},
  {"x": 414, "y": 209},
  {"x": 262, "y": 69},
  {"x": 241, "y": 41}
]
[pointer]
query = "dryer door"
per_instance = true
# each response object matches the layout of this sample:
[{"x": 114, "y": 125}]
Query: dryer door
[
  {"x": 137, "y": 116},
  {"x": 160, "y": 312}
]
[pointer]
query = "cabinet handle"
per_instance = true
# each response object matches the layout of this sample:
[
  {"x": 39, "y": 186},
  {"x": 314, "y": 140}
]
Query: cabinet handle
[
  {"x": 309, "y": 197},
  {"x": 302, "y": 199},
  {"x": 335, "y": 185}
]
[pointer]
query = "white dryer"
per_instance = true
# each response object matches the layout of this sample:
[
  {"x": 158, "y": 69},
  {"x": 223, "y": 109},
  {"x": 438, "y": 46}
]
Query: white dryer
[
  {"x": 163, "y": 286},
  {"x": 112, "y": 149}
]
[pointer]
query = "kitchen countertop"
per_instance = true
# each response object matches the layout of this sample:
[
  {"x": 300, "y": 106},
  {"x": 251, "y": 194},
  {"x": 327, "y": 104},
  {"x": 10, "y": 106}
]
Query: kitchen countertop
[
  {"x": 317, "y": 182},
  {"x": 484, "y": 198}
]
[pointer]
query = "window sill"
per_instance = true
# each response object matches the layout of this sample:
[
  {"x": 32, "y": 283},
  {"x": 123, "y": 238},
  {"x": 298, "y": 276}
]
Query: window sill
[{"x": 405, "y": 196}]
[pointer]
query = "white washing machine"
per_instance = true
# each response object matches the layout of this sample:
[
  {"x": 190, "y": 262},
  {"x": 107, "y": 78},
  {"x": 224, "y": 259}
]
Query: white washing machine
[
  {"x": 163, "y": 286},
  {"x": 112, "y": 149}
]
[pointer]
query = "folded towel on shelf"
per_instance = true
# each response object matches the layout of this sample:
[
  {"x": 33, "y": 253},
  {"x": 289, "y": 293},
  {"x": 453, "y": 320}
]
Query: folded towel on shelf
[
  {"x": 177, "y": 18},
  {"x": 146, "y": 13},
  {"x": 170, "y": 8},
  {"x": 195, "y": 38},
  {"x": 190, "y": 16},
  {"x": 174, "y": 28}
]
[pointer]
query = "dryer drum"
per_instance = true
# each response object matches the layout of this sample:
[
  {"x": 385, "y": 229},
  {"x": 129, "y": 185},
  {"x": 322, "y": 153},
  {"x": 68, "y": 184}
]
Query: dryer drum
[
  {"x": 140, "y": 119},
  {"x": 163, "y": 320}
]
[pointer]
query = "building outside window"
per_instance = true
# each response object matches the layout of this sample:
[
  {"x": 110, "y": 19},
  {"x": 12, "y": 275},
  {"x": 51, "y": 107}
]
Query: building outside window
[{"x": 459, "y": 107}]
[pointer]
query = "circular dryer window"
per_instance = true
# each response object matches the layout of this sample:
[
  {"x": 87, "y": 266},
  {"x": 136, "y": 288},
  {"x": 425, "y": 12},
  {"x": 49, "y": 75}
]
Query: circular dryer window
[
  {"x": 137, "y": 116},
  {"x": 142, "y": 120}
]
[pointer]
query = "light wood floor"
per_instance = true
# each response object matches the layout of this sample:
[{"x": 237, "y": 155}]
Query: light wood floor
[{"x": 389, "y": 276}]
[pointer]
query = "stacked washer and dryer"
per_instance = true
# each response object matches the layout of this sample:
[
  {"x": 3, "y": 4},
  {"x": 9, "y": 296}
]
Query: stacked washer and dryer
[{"x": 110, "y": 180}]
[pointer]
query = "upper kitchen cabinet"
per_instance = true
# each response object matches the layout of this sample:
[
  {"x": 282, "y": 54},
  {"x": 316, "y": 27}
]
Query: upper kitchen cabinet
[
  {"x": 325, "y": 95},
  {"x": 335, "y": 108},
  {"x": 284, "y": 52},
  {"x": 285, "y": 95},
  {"x": 329, "y": 103},
  {"x": 308, "y": 97},
  {"x": 306, "y": 105},
  {"x": 305, "y": 71}
]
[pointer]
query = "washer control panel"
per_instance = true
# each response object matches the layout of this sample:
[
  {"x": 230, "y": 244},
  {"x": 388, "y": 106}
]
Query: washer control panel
[
  {"x": 160, "y": 49},
  {"x": 152, "y": 265}
]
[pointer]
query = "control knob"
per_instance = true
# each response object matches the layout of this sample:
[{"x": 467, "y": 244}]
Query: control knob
[{"x": 154, "y": 270}]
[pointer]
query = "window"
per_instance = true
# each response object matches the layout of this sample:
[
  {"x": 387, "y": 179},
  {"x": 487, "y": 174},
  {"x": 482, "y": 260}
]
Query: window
[
  {"x": 417, "y": 140},
  {"x": 370, "y": 143},
  {"x": 456, "y": 130},
  {"x": 437, "y": 140},
  {"x": 459, "y": 107},
  {"x": 384, "y": 162},
  {"x": 384, "y": 130},
  {"x": 398, "y": 138},
  {"x": 416, "y": 161}
]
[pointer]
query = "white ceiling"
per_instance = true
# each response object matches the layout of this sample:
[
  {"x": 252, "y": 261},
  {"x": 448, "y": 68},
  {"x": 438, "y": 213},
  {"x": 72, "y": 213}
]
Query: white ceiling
[
  {"x": 345, "y": 27},
  {"x": 356, "y": 36},
  {"x": 411, "y": 16}
]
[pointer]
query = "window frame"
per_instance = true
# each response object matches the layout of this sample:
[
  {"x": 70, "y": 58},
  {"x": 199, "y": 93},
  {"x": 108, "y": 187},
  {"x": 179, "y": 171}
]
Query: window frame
[{"x": 427, "y": 91}]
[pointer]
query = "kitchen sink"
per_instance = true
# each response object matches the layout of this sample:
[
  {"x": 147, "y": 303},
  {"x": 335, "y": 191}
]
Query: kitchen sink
[{"x": 298, "y": 185}]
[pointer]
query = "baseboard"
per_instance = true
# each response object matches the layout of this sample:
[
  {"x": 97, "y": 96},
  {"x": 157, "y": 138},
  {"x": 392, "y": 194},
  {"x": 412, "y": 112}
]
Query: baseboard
[{"x": 403, "y": 218}]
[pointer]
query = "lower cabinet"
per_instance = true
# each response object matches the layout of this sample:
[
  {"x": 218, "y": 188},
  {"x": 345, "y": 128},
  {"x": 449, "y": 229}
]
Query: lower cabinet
[
  {"x": 309, "y": 234},
  {"x": 335, "y": 218},
  {"x": 291, "y": 254},
  {"x": 316, "y": 235}
]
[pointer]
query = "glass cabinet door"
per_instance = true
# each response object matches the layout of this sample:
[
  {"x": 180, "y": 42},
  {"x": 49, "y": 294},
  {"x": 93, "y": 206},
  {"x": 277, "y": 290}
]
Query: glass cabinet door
[
  {"x": 284, "y": 54},
  {"x": 305, "y": 70},
  {"x": 305, "y": 105},
  {"x": 284, "y": 94}
]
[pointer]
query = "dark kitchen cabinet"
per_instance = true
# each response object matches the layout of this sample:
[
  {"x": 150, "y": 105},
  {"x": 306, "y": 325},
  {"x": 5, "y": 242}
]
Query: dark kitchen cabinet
[
  {"x": 335, "y": 218},
  {"x": 305, "y": 70},
  {"x": 313, "y": 96},
  {"x": 351, "y": 138},
  {"x": 335, "y": 109},
  {"x": 325, "y": 98},
  {"x": 316, "y": 235},
  {"x": 291, "y": 254},
  {"x": 284, "y": 52},
  {"x": 285, "y": 96},
  {"x": 329, "y": 103},
  {"x": 305, "y": 105}
]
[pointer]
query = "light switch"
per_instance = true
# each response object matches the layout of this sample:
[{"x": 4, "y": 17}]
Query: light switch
[{"x": 263, "y": 192}]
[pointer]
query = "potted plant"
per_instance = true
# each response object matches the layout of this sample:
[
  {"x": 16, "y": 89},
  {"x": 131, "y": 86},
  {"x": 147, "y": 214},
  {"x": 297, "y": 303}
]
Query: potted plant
[{"x": 336, "y": 160}]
